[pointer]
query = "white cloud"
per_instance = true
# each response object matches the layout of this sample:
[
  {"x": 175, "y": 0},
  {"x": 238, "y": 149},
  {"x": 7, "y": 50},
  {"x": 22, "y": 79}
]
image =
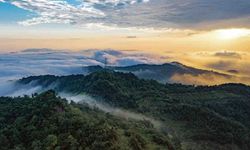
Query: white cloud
[{"x": 60, "y": 11}]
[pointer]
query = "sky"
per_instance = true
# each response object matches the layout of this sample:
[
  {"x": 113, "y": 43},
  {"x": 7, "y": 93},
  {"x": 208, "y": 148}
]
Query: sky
[
  {"x": 155, "y": 25},
  {"x": 210, "y": 34}
]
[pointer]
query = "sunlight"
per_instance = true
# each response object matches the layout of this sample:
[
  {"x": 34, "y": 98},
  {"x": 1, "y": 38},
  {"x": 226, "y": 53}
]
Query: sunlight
[{"x": 230, "y": 34}]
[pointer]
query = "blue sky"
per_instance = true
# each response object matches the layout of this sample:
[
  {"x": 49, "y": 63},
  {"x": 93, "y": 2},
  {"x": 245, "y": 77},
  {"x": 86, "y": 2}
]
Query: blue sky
[{"x": 11, "y": 14}]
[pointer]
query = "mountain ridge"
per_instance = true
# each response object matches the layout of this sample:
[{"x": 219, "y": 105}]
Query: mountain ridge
[{"x": 163, "y": 73}]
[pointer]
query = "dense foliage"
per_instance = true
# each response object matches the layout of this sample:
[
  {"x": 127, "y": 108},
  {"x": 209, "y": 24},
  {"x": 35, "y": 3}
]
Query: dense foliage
[
  {"x": 202, "y": 117},
  {"x": 48, "y": 122}
]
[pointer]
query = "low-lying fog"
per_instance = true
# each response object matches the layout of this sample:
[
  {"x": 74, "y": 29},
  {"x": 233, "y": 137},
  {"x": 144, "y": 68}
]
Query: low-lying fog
[{"x": 14, "y": 89}]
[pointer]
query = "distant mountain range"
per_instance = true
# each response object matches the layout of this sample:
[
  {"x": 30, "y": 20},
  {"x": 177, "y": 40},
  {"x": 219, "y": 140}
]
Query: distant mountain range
[
  {"x": 163, "y": 73},
  {"x": 32, "y": 62}
]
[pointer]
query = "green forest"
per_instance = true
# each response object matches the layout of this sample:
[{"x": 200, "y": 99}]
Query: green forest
[{"x": 49, "y": 122}]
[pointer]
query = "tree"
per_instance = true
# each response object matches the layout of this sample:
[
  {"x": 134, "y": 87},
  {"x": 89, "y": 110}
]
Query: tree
[{"x": 50, "y": 142}]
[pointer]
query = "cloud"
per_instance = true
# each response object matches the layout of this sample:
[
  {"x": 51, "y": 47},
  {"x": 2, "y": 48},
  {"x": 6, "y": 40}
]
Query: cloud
[
  {"x": 225, "y": 60},
  {"x": 233, "y": 71},
  {"x": 62, "y": 62},
  {"x": 207, "y": 79},
  {"x": 202, "y": 14},
  {"x": 228, "y": 54},
  {"x": 233, "y": 62},
  {"x": 55, "y": 11},
  {"x": 131, "y": 37},
  {"x": 125, "y": 58},
  {"x": 221, "y": 65},
  {"x": 60, "y": 11}
]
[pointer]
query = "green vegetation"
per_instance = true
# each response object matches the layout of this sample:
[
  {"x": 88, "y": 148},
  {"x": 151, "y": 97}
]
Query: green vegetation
[
  {"x": 48, "y": 122},
  {"x": 202, "y": 117}
]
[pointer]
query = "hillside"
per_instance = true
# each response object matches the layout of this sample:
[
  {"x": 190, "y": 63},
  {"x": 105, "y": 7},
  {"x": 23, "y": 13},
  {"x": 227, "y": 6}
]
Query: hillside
[
  {"x": 48, "y": 122},
  {"x": 201, "y": 117}
]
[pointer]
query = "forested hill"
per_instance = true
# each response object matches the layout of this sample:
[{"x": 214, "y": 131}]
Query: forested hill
[
  {"x": 47, "y": 122},
  {"x": 216, "y": 117}
]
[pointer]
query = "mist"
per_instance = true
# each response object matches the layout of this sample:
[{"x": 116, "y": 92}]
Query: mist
[
  {"x": 207, "y": 79},
  {"x": 94, "y": 103},
  {"x": 12, "y": 88}
]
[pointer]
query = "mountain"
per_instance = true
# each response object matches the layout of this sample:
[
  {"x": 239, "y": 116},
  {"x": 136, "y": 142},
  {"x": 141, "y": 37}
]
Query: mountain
[
  {"x": 199, "y": 117},
  {"x": 163, "y": 73}
]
